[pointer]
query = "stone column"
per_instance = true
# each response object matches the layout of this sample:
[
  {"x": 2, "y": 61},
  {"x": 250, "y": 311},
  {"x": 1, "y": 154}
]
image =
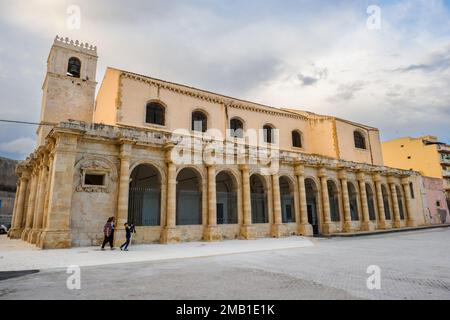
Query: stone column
[
  {"x": 348, "y": 225},
  {"x": 380, "y": 203},
  {"x": 278, "y": 229},
  {"x": 366, "y": 225},
  {"x": 327, "y": 225},
  {"x": 396, "y": 218},
  {"x": 247, "y": 229},
  {"x": 17, "y": 229},
  {"x": 39, "y": 211},
  {"x": 122, "y": 196},
  {"x": 57, "y": 233},
  {"x": 47, "y": 194},
  {"x": 212, "y": 231},
  {"x": 411, "y": 221},
  {"x": 170, "y": 232},
  {"x": 30, "y": 208},
  {"x": 304, "y": 227}
]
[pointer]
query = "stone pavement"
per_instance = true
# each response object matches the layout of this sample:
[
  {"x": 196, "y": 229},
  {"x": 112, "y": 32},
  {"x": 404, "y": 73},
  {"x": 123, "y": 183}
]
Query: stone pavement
[
  {"x": 414, "y": 265},
  {"x": 18, "y": 255}
]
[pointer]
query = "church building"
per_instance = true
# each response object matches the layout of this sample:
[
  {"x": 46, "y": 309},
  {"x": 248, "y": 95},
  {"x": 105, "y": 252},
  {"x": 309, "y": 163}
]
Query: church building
[{"x": 185, "y": 164}]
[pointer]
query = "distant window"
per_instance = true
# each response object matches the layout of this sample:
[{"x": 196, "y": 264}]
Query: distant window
[
  {"x": 92, "y": 179},
  {"x": 296, "y": 139},
  {"x": 236, "y": 128},
  {"x": 411, "y": 189},
  {"x": 360, "y": 141},
  {"x": 199, "y": 121},
  {"x": 438, "y": 203},
  {"x": 155, "y": 113},
  {"x": 74, "y": 67},
  {"x": 268, "y": 134},
  {"x": 409, "y": 157}
]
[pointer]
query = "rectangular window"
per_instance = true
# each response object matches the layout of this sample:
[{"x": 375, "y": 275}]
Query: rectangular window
[
  {"x": 411, "y": 190},
  {"x": 94, "y": 179}
]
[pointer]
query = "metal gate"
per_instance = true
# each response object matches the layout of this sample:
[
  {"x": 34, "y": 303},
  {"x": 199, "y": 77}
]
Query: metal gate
[{"x": 144, "y": 206}]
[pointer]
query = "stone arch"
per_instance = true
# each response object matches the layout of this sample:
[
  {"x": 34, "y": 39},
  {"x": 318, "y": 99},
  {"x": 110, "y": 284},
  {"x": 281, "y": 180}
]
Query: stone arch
[
  {"x": 353, "y": 201},
  {"x": 370, "y": 201},
  {"x": 144, "y": 195},
  {"x": 287, "y": 190},
  {"x": 385, "y": 195},
  {"x": 259, "y": 199},
  {"x": 226, "y": 197},
  {"x": 189, "y": 208},
  {"x": 312, "y": 203},
  {"x": 400, "y": 201},
  {"x": 333, "y": 197}
]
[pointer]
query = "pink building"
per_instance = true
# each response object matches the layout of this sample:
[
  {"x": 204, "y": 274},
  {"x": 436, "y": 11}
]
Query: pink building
[{"x": 436, "y": 204}]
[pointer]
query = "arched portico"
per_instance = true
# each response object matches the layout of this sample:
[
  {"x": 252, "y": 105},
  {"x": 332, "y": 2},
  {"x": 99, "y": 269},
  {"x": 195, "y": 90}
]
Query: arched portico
[
  {"x": 144, "y": 200},
  {"x": 189, "y": 197}
]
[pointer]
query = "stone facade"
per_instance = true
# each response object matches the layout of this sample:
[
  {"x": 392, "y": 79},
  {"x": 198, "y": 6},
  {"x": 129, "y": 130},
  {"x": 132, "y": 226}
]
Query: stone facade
[{"x": 122, "y": 165}]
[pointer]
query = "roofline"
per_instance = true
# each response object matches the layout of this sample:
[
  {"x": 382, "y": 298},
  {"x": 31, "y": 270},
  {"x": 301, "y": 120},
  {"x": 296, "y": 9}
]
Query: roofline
[{"x": 291, "y": 111}]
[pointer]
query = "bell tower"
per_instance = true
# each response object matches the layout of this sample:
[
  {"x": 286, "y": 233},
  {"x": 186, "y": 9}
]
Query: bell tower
[{"x": 68, "y": 92}]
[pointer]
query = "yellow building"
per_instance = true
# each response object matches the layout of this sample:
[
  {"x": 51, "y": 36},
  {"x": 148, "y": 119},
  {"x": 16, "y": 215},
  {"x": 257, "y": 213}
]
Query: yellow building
[
  {"x": 186, "y": 164},
  {"x": 428, "y": 156}
]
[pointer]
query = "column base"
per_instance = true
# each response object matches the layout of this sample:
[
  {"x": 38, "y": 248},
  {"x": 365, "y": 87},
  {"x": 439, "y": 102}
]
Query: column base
[
  {"x": 278, "y": 230},
  {"x": 33, "y": 236},
  {"x": 248, "y": 232},
  {"x": 328, "y": 228},
  {"x": 25, "y": 233},
  {"x": 411, "y": 223},
  {"x": 170, "y": 235},
  {"x": 396, "y": 224},
  {"x": 15, "y": 233},
  {"x": 348, "y": 226},
  {"x": 367, "y": 226},
  {"x": 305, "y": 229},
  {"x": 212, "y": 233},
  {"x": 383, "y": 225},
  {"x": 55, "y": 239}
]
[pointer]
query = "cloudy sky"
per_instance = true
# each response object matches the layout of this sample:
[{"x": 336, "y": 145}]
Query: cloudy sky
[{"x": 319, "y": 56}]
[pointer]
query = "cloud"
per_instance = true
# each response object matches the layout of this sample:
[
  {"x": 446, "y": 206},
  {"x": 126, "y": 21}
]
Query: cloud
[
  {"x": 312, "y": 76},
  {"x": 436, "y": 61},
  {"x": 347, "y": 91},
  {"x": 21, "y": 146},
  {"x": 317, "y": 56}
]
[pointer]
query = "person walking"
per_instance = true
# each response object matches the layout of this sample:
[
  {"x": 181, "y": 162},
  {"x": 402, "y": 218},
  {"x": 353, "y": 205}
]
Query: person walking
[
  {"x": 108, "y": 232},
  {"x": 129, "y": 229}
]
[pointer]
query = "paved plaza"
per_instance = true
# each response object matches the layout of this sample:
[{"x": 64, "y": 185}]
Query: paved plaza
[{"x": 413, "y": 265}]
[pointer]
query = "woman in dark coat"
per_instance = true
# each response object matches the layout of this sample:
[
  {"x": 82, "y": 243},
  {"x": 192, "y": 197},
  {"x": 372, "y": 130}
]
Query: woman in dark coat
[{"x": 108, "y": 232}]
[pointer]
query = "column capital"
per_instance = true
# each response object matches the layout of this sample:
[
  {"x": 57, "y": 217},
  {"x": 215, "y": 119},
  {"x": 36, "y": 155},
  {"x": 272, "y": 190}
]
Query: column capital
[
  {"x": 322, "y": 172},
  {"x": 391, "y": 180},
  {"x": 299, "y": 169},
  {"x": 405, "y": 180},
  {"x": 360, "y": 176},
  {"x": 377, "y": 177},
  {"x": 342, "y": 174}
]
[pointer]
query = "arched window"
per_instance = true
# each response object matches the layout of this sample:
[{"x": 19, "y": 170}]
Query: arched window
[
  {"x": 360, "y": 141},
  {"x": 74, "y": 67},
  {"x": 199, "y": 121},
  {"x": 155, "y": 113},
  {"x": 268, "y": 133},
  {"x": 236, "y": 128},
  {"x": 296, "y": 139}
]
